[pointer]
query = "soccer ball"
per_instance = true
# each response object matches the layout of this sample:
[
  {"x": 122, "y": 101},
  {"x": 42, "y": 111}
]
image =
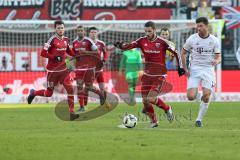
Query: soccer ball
[{"x": 129, "y": 121}]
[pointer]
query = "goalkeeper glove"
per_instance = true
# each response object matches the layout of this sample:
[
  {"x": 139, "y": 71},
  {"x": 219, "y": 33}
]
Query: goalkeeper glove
[
  {"x": 68, "y": 65},
  {"x": 118, "y": 44},
  {"x": 181, "y": 72},
  {"x": 58, "y": 58}
]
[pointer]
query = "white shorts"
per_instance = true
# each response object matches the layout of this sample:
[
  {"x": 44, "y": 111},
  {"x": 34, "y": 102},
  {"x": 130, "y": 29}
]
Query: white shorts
[{"x": 201, "y": 76}]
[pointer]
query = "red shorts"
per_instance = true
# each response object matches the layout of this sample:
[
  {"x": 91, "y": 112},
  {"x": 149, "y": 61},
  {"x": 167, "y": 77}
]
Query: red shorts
[
  {"x": 99, "y": 76},
  {"x": 87, "y": 76},
  {"x": 53, "y": 78},
  {"x": 154, "y": 83}
]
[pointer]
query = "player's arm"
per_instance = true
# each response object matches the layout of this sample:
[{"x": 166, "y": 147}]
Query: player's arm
[
  {"x": 105, "y": 54},
  {"x": 183, "y": 56},
  {"x": 217, "y": 59},
  {"x": 127, "y": 46},
  {"x": 186, "y": 48},
  {"x": 181, "y": 70},
  {"x": 70, "y": 51},
  {"x": 217, "y": 51},
  {"x": 122, "y": 63},
  {"x": 45, "y": 51},
  {"x": 94, "y": 50}
]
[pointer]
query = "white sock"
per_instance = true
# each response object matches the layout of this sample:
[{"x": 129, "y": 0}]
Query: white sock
[{"x": 202, "y": 110}]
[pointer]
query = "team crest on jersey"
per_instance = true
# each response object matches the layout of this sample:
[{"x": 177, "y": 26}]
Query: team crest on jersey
[
  {"x": 65, "y": 43},
  {"x": 158, "y": 45},
  {"x": 145, "y": 44}
]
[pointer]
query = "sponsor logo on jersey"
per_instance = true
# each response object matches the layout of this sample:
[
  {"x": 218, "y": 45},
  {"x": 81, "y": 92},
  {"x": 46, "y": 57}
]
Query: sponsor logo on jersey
[
  {"x": 152, "y": 51},
  {"x": 61, "y": 49},
  {"x": 158, "y": 45}
]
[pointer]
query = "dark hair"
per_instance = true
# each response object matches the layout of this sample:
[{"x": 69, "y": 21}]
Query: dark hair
[
  {"x": 58, "y": 22},
  {"x": 150, "y": 24},
  {"x": 92, "y": 28},
  {"x": 203, "y": 20},
  {"x": 164, "y": 29},
  {"x": 80, "y": 26}
]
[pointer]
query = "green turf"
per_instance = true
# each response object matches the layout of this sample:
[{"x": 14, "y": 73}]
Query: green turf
[{"x": 29, "y": 133}]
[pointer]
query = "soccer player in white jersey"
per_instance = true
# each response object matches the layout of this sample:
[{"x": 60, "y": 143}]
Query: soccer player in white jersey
[{"x": 204, "y": 50}]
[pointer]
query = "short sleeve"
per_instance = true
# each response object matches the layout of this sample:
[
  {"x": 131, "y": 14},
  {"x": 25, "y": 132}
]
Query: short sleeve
[
  {"x": 187, "y": 45},
  {"x": 217, "y": 48}
]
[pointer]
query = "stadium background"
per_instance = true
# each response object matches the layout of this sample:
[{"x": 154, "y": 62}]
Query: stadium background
[{"x": 21, "y": 72}]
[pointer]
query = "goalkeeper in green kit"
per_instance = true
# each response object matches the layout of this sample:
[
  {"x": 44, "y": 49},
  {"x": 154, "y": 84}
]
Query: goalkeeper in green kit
[{"x": 131, "y": 66}]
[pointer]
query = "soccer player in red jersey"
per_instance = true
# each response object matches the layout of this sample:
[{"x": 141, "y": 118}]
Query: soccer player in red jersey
[
  {"x": 93, "y": 35},
  {"x": 154, "y": 49},
  {"x": 87, "y": 58},
  {"x": 56, "y": 50}
]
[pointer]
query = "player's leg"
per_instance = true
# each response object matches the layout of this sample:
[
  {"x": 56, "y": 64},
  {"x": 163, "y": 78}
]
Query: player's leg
[
  {"x": 208, "y": 82},
  {"x": 52, "y": 80},
  {"x": 100, "y": 81},
  {"x": 80, "y": 89},
  {"x": 203, "y": 106},
  {"x": 147, "y": 106},
  {"x": 81, "y": 94},
  {"x": 67, "y": 83},
  {"x": 153, "y": 97},
  {"x": 193, "y": 83},
  {"x": 88, "y": 80},
  {"x": 132, "y": 79}
]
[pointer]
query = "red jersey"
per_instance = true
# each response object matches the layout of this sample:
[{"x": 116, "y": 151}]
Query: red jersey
[
  {"x": 56, "y": 47},
  {"x": 154, "y": 53},
  {"x": 84, "y": 61},
  {"x": 101, "y": 49}
]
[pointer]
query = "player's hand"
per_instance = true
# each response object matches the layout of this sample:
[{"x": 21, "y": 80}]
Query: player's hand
[
  {"x": 215, "y": 62},
  {"x": 58, "y": 58},
  {"x": 118, "y": 44},
  {"x": 46, "y": 46},
  {"x": 120, "y": 73},
  {"x": 181, "y": 72},
  {"x": 140, "y": 73},
  {"x": 68, "y": 64}
]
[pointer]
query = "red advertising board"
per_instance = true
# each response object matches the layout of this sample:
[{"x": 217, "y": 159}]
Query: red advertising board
[
  {"x": 86, "y": 10},
  {"x": 21, "y": 82}
]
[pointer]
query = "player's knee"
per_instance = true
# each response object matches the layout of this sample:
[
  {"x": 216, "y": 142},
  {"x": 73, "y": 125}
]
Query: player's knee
[
  {"x": 48, "y": 93},
  {"x": 144, "y": 100},
  {"x": 206, "y": 98},
  {"x": 151, "y": 99},
  {"x": 191, "y": 96}
]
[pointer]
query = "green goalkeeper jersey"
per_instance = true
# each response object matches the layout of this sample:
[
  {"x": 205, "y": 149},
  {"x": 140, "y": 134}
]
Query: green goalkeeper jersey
[{"x": 131, "y": 62}]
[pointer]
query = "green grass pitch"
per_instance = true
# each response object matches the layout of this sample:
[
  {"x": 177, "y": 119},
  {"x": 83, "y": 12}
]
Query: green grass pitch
[{"x": 33, "y": 132}]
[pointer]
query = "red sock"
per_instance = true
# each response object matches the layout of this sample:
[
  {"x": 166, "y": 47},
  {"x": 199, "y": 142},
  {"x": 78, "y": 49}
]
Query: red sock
[
  {"x": 81, "y": 99},
  {"x": 85, "y": 99},
  {"x": 39, "y": 92},
  {"x": 44, "y": 93},
  {"x": 71, "y": 103},
  {"x": 150, "y": 112},
  {"x": 161, "y": 104}
]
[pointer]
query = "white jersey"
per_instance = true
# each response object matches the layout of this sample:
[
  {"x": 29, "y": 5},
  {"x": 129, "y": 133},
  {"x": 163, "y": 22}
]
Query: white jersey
[{"x": 202, "y": 50}]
